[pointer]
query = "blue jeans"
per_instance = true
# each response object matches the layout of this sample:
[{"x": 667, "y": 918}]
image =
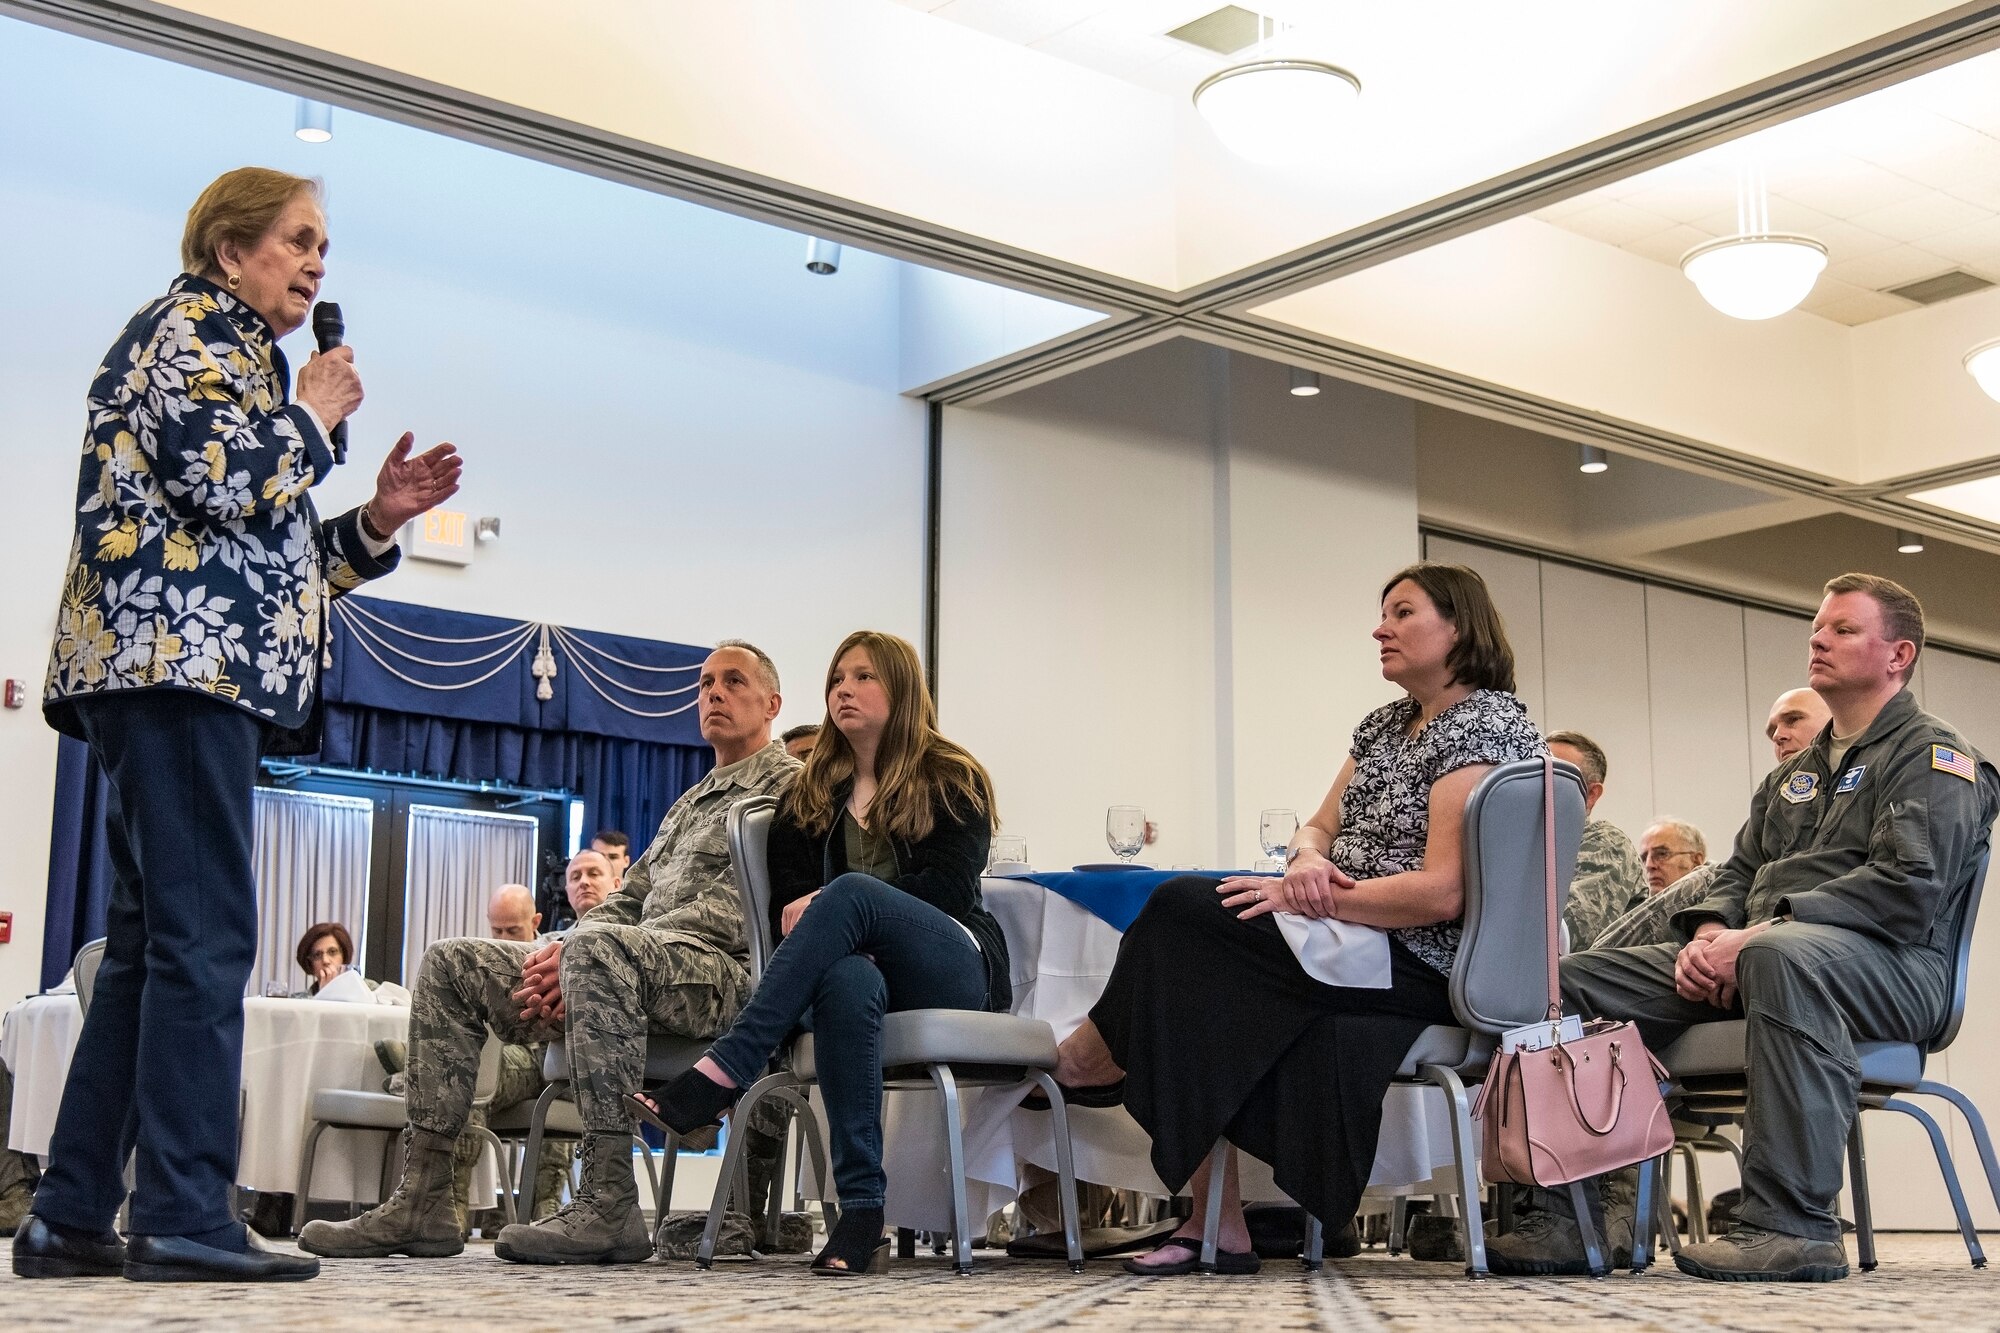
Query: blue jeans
[
  {"x": 159, "y": 1062},
  {"x": 863, "y": 949}
]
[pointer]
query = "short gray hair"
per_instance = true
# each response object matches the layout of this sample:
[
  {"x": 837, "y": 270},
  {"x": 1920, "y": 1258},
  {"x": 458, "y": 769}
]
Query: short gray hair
[
  {"x": 1595, "y": 766},
  {"x": 767, "y": 670},
  {"x": 1683, "y": 830}
]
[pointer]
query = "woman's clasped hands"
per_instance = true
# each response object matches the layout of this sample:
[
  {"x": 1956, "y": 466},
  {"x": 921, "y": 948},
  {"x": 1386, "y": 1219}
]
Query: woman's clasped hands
[{"x": 1310, "y": 888}]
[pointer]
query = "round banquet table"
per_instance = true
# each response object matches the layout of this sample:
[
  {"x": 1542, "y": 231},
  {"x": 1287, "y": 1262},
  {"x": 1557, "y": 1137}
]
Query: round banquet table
[
  {"x": 1061, "y": 956},
  {"x": 291, "y": 1049}
]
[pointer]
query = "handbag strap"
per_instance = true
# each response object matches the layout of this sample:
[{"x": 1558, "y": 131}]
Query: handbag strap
[{"x": 1550, "y": 917}]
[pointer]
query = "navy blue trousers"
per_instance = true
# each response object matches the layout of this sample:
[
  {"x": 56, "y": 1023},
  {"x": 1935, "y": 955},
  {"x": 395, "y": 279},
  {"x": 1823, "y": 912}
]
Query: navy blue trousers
[
  {"x": 863, "y": 949},
  {"x": 160, "y": 1060}
]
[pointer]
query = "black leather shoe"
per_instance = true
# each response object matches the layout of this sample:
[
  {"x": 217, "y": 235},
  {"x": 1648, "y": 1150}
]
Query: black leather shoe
[
  {"x": 42, "y": 1251},
  {"x": 178, "y": 1259}
]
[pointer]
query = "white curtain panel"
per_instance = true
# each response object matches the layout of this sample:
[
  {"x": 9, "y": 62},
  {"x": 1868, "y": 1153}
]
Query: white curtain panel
[
  {"x": 456, "y": 859},
  {"x": 311, "y": 854}
]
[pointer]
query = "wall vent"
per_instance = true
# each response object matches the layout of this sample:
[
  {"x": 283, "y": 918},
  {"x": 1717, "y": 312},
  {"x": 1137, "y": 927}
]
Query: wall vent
[
  {"x": 1929, "y": 291},
  {"x": 1225, "y": 32}
]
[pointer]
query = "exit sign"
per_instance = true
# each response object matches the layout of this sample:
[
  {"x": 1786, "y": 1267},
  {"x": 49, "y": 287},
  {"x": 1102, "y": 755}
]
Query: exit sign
[{"x": 443, "y": 535}]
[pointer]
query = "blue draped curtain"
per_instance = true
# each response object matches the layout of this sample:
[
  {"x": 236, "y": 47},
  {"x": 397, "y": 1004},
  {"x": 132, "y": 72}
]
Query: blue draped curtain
[{"x": 413, "y": 689}]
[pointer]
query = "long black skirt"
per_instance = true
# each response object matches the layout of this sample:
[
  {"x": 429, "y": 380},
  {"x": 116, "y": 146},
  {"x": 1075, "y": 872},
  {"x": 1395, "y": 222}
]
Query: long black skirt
[{"x": 1223, "y": 1035}]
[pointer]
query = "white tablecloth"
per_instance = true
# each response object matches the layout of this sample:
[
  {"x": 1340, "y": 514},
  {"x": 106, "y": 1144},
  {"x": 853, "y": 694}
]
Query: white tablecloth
[
  {"x": 1062, "y": 956},
  {"x": 291, "y": 1049}
]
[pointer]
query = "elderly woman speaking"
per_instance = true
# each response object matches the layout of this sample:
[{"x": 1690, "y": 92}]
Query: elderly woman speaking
[{"x": 188, "y": 644}]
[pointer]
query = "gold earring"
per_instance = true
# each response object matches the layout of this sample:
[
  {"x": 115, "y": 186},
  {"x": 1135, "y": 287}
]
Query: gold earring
[{"x": 235, "y": 281}]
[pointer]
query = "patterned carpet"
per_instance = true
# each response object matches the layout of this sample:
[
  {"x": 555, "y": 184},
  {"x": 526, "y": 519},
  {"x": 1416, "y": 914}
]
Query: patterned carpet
[{"x": 1924, "y": 1283}]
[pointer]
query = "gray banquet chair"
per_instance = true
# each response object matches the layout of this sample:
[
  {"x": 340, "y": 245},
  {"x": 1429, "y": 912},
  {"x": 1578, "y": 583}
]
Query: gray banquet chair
[
  {"x": 946, "y": 1049},
  {"x": 1500, "y": 979},
  {"x": 386, "y": 1113},
  {"x": 84, "y": 972},
  {"x": 1710, "y": 1077}
]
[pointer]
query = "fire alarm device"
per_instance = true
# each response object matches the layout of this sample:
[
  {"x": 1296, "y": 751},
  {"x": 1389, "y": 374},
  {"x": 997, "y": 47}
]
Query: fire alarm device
[
  {"x": 6, "y": 927},
  {"x": 17, "y": 693}
]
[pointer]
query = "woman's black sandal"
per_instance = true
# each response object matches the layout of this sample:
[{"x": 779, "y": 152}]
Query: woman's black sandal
[
  {"x": 857, "y": 1243},
  {"x": 1096, "y": 1097},
  {"x": 684, "y": 1104},
  {"x": 1229, "y": 1263}
]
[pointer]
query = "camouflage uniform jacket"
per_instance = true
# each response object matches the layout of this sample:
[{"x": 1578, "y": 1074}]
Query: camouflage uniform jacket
[
  {"x": 683, "y": 886},
  {"x": 1652, "y": 921},
  {"x": 198, "y": 561},
  {"x": 1609, "y": 883}
]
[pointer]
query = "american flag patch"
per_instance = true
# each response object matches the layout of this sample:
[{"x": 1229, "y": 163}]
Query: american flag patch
[{"x": 1947, "y": 760}]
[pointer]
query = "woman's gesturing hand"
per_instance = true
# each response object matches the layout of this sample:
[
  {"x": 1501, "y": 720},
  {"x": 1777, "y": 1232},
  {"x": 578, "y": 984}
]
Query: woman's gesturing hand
[
  {"x": 796, "y": 908},
  {"x": 407, "y": 487}
]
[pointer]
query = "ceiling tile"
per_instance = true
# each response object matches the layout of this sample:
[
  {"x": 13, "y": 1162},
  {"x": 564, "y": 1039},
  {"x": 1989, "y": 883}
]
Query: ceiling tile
[
  {"x": 1843, "y": 240},
  {"x": 1842, "y": 188},
  {"x": 1615, "y": 223},
  {"x": 1977, "y": 243},
  {"x": 1682, "y": 200},
  {"x": 1863, "y": 308},
  {"x": 1668, "y": 246},
  {"x": 1106, "y": 47},
  {"x": 1024, "y": 21},
  {"x": 1889, "y": 268},
  {"x": 1925, "y": 215}
]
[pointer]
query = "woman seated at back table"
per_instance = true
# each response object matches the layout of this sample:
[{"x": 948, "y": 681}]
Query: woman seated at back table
[
  {"x": 324, "y": 952},
  {"x": 874, "y": 857},
  {"x": 1210, "y": 1017}
]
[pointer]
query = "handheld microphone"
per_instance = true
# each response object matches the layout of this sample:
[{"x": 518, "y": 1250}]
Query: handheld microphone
[{"x": 331, "y": 330}]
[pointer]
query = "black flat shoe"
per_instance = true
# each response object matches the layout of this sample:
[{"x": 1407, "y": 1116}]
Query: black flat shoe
[
  {"x": 683, "y": 1105},
  {"x": 41, "y": 1250},
  {"x": 1095, "y": 1098},
  {"x": 1230, "y": 1263},
  {"x": 857, "y": 1246},
  {"x": 178, "y": 1259}
]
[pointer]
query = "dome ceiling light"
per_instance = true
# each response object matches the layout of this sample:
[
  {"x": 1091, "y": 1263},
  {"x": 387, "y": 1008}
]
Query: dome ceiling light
[
  {"x": 1275, "y": 107},
  {"x": 1758, "y": 273},
  {"x": 1983, "y": 364}
]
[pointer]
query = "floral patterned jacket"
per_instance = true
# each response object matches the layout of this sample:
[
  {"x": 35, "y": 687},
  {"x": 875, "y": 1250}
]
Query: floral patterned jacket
[{"x": 199, "y": 562}]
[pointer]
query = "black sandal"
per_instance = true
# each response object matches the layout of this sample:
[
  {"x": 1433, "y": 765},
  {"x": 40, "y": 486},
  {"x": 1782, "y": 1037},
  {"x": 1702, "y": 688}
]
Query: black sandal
[
  {"x": 685, "y": 1104},
  {"x": 1096, "y": 1097},
  {"x": 857, "y": 1243},
  {"x": 1229, "y": 1263}
]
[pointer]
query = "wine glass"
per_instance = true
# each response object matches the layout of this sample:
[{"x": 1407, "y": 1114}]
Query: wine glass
[
  {"x": 1125, "y": 831},
  {"x": 1275, "y": 831}
]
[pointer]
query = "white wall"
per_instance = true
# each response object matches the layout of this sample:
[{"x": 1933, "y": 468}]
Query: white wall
[
  {"x": 687, "y": 436},
  {"x": 1159, "y": 577}
]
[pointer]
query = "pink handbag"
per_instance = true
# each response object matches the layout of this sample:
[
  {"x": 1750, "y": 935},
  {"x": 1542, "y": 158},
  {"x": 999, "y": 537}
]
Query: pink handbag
[{"x": 1553, "y": 1111}]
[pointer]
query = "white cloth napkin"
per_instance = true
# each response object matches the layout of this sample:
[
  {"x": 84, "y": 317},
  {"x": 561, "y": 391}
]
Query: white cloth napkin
[
  {"x": 1338, "y": 953},
  {"x": 348, "y": 987}
]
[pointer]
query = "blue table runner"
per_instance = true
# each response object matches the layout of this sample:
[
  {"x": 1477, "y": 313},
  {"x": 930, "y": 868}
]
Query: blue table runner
[{"x": 1113, "y": 896}]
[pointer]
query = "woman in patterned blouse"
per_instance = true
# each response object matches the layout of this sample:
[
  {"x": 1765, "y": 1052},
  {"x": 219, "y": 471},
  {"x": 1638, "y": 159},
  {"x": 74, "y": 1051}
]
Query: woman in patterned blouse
[
  {"x": 1211, "y": 1017},
  {"x": 188, "y": 643}
]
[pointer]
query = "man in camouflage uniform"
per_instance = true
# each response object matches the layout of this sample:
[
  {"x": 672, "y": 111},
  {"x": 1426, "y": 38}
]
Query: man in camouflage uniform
[
  {"x": 665, "y": 954},
  {"x": 1609, "y": 880}
]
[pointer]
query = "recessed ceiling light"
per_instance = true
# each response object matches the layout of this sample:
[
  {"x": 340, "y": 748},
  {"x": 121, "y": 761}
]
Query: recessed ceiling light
[
  {"x": 1755, "y": 276},
  {"x": 1305, "y": 383},
  {"x": 1592, "y": 460},
  {"x": 314, "y": 123},
  {"x": 1909, "y": 543},
  {"x": 822, "y": 257}
]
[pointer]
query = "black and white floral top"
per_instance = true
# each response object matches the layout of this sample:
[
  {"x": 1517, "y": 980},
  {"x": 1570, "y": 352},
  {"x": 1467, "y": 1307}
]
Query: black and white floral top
[{"x": 1385, "y": 811}]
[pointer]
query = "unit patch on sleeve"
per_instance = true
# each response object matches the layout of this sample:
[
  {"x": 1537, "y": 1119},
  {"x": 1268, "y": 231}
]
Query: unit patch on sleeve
[{"x": 1801, "y": 787}]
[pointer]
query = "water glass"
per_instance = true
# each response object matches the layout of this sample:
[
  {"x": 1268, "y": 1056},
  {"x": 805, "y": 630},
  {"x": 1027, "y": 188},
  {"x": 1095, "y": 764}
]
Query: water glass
[
  {"x": 1009, "y": 855},
  {"x": 1275, "y": 831},
  {"x": 1125, "y": 831}
]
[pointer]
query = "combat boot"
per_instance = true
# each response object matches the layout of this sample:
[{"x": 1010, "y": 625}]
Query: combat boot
[
  {"x": 416, "y": 1220},
  {"x": 600, "y": 1225},
  {"x": 1546, "y": 1239}
]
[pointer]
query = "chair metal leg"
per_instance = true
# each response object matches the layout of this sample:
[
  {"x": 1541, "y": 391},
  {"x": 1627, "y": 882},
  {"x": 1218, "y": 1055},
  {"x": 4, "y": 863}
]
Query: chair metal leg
[
  {"x": 732, "y": 1164},
  {"x": 1315, "y": 1255},
  {"x": 1399, "y": 1223},
  {"x": 1697, "y": 1221},
  {"x": 663, "y": 1197},
  {"x": 1065, "y": 1169},
  {"x": 1864, "y": 1216},
  {"x": 1211, "y": 1224},
  {"x": 1642, "y": 1218},
  {"x": 1978, "y": 1125},
  {"x": 954, "y": 1138},
  {"x": 531, "y": 1154},
  {"x": 808, "y": 1122},
  {"x": 1663, "y": 1201},
  {"x": 492, "y": 1143},
  {"x": 1593, "y": 1252},
  {"x": 1464, "y": 1149},
  {"x": 1949, "y": 1170},
  {"x": 300, "y": 1199}
]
